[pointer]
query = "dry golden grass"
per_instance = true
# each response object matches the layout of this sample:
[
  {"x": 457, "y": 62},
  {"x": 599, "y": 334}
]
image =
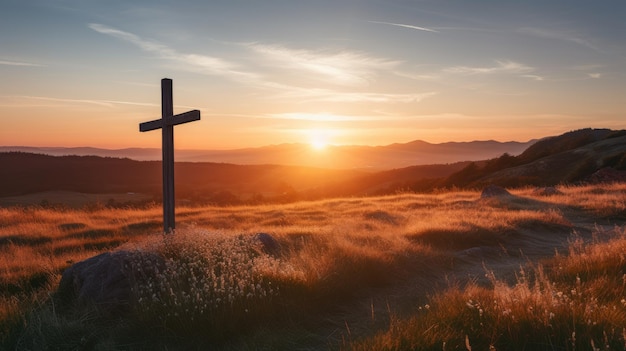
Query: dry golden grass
[
  {"x": 350, "y": 265},
  {"x": 577, "y": 304}
]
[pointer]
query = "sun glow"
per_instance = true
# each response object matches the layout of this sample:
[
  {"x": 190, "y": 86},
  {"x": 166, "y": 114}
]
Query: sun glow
[
  {"x": 318, "y": 145},
  {"x": 318, "y": 138}
]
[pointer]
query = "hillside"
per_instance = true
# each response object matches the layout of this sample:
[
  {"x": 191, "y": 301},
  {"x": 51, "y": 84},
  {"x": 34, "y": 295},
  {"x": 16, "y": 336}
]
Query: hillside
[
  {"x": 567, "y": 166},
  {"x": 217, "y": 183},
  {"x": 569, "y": 158},
  {"x": 32, "y": 173}
]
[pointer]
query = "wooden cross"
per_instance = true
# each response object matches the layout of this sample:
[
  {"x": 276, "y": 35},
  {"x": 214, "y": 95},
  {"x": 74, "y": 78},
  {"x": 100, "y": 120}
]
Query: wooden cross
[{"x": 166, "y": 124}]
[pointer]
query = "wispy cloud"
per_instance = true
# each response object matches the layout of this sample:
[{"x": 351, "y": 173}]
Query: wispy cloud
[
  {"x": 17, "y": 63},
  {"x": 344, "y": 67},
  {"x": 104, "y": 103},
  {"x": 416, "y": 76},
  {"x": 589, "y": 67},
  {"x": 338, "y": 68},
  {"x": 406, "y": 26},
  {"x": 590, "y": 70},
  {"x": 329, "y": 95},
  {"x": 558, "y": 35},
  {"x": 376, "y": 97},
  {"x": 202, "y": 63},
  {"x": 319, "y": 117},
  {"x": 533, "y": 77},
  {"x": 500, "y": 67}
]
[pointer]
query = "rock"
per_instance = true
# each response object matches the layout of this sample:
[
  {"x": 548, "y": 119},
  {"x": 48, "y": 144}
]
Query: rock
[
  {"x": 494, "y": 191},
  {"x": 607, "y": 175},
  {"x": 547, "y": 191},
  {"x": 269, "y": 245},
  {"x": 105, "y": 280}
]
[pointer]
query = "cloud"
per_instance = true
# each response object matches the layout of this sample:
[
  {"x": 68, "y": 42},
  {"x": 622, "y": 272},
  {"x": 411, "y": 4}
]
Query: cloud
[
  {"x": 326, "y": 117},
  {"x": 105, "y": 103},
  {"x": 501, "y": 67},
  {"x": 23, "y": 64},
  {"x": 551, "y": 34},
  {"x": 376, "y": 97},
  {"x": 202, "y": 63},
  {"x": 344, "y": 68},
  {"x": 591, "y": 70},
  {"x": 533, "y": 77},
  {"x": 590, "y": 67},
  {"x": 328, "y": 95},
  {"x": 406, "y": 26},
  {"x": 423, "y": 77}
]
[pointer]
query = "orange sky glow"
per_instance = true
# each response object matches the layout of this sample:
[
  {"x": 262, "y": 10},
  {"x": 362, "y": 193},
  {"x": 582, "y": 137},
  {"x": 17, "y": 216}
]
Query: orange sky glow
[{"x": 373, "y": 74}]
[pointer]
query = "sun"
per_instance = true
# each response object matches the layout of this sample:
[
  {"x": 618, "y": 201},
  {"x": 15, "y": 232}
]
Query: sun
[
  {"x": 318, "y": 145},
  {"x": 318, "y": 139}
]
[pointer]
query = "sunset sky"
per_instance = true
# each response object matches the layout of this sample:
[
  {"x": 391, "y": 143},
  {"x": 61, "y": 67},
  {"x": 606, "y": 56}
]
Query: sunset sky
[{"x": 86, "y": 73}]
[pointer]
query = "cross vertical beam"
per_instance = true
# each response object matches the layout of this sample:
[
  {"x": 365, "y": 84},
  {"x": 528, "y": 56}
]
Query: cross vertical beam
[
  {"x": 167, "y": 112},
  {"x": 166, "y": 124}
]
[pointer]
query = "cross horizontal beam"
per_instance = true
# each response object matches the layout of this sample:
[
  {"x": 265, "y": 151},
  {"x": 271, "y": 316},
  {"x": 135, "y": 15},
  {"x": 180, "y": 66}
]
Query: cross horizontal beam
[{"x": 186, "y": 117}]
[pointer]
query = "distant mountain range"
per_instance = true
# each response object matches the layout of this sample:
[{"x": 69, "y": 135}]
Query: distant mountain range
[
  {"x": 374, "y": 158},
  {"x": 574, "y": 157}
]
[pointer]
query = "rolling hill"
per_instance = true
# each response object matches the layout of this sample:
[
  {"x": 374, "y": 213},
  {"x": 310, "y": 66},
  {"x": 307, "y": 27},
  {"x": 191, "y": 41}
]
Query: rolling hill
[{"x": 569, "y": 158}]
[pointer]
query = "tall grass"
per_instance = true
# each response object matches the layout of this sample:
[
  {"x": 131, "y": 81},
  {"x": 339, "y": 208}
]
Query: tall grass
[
  {"x": 346, "y": 268},
  {"x": 573, "y": 302}
]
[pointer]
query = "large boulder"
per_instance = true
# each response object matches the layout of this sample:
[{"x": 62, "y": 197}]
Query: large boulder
[
  {"x": 106, "y": 280},
  {"x": 494, "y": 191}
]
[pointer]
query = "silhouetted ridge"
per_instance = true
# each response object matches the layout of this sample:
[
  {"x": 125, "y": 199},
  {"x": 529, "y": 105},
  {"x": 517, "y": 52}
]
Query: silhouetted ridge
[
  {"x": 569, "y": 158},
  {"x": 568, "y": 141}
]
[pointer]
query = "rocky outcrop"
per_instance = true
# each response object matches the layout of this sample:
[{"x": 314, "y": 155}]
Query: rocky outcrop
[{"x": 106, "y": 280}]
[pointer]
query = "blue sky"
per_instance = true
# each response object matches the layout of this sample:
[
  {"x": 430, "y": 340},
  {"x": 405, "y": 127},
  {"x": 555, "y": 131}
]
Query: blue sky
[{"x": 86, "y": 73}]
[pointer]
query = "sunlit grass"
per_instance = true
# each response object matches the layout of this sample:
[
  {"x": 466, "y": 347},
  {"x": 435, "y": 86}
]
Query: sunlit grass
[
  {"x": 346, "y": 268},
  {"x": 575, "y": 304}
]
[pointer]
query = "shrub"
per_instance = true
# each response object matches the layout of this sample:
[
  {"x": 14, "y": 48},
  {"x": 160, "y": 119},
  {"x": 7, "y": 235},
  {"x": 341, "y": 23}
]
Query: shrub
[{"x": 212, "y": 285}]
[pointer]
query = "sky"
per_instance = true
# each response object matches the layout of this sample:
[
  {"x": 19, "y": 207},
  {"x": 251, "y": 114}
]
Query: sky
[{"x": 359, "y": 72}]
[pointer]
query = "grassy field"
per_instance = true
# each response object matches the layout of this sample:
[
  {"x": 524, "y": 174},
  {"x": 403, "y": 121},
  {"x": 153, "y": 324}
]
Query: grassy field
[{"x": 440, "y": 271}]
